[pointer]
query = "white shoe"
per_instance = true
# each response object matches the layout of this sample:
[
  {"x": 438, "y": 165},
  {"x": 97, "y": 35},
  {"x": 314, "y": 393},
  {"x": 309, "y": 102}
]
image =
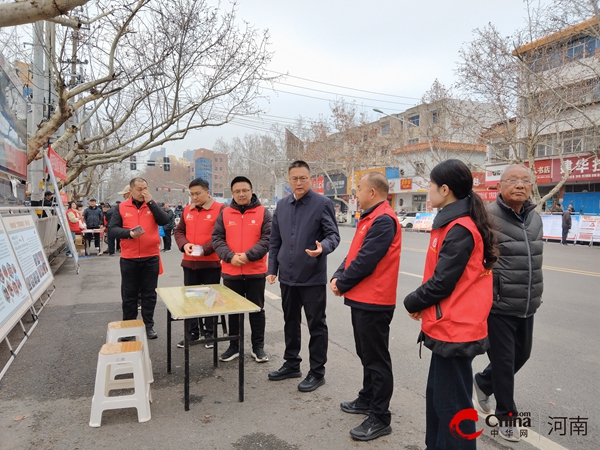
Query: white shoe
[
  {"x": 481, "y": 399},
  {"x": 512, "y": 434}
]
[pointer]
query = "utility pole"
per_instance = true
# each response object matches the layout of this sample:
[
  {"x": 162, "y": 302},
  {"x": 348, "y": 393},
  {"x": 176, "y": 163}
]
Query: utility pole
[{"x": 36, "y": 168}]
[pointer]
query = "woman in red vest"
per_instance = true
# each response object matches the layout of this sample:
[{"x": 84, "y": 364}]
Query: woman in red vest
[
  {"x": 453, "y": 303},
  {"x": 74, "y": 218}
]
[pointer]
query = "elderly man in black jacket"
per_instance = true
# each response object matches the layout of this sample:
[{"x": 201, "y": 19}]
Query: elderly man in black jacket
[{"x": 518, "y": 286}]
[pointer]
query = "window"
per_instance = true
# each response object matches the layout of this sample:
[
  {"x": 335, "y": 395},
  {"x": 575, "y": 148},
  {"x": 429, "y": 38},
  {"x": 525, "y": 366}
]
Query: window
[
  {"x": 385, "y": 129},
  {"x": 412, "y": 141},
  {"x": 572, "y": 141},
  {"x": 419, "y": 168},
  {"x": 434, "y": 116},
  {"x": 414, "y": 120},
  {"x": 500, "y": 151}
]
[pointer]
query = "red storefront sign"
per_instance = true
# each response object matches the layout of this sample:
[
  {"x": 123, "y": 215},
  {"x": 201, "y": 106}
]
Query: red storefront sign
[
  {"x": 318, "y": 185},
  {"x": 478, "y": 179},
  {"x": 585, "y": 168},
  {"x": 543, "y": 171},
  {"x": 488, "y": 196},
  {"x": 406, "y": 183}
]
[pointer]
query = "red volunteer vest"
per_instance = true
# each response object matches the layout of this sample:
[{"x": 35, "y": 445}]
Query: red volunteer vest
[
  {"x": 379, "y": 288},
  {"x": 74, "y": 226},
  {"x": 242, "y": 232},
  {"x": 148, "y": 243},
  {"x": 465, "y": 311},
  {"x": 199, "y": 225}
]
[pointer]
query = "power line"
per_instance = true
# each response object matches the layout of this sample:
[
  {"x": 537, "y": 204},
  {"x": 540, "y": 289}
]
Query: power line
[
  {"x": 329, "y": 100},
  {"x": 343, "y": 87},
  {"x": 342, "y": 95}
]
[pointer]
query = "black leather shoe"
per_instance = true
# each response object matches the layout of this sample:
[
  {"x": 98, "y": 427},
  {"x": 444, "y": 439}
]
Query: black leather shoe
[
  {"x": 284, "y": 373},
  {"x": 310, "y": 383},
  {"x": 370, "y": 429},
  {"x": 358, "y": 406},
  {"x": 151, "y": 334}
]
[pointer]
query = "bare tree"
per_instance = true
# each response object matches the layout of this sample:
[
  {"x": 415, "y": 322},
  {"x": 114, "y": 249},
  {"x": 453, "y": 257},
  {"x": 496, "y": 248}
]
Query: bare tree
[
  {"x": 541, "y": 88},
  {"x": 20, "y": 12},
  {"x": 260, "y": 157},
  {"x": 156, "y": 72}
]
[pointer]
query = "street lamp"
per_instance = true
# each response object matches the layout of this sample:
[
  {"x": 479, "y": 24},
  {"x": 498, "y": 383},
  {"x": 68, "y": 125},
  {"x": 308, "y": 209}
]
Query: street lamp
[
  {"x": 394, "y": 117},
  {"x": 272, "y": 171}
]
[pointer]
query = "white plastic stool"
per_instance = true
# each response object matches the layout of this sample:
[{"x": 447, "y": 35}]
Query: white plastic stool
[
  {"x": 125, "y": 328},
  {"x": 120, "y": 353}
]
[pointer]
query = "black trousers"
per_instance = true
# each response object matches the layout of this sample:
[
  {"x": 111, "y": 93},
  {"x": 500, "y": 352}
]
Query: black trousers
[
  {"x": 372, "y": 336},
  {"x": 111, "y": 245},
  {"x": 139, "y": 277},
  {"x": 449, "y": 390},
  {"x": 167, "y": 240},
  {"x": 193, "y": 278},
  {"x": 511, "y": 339},
  {"x": 565, "y": 234},
  {"x": 254, "y": 290},
  {"x": 314, "y": 301}
]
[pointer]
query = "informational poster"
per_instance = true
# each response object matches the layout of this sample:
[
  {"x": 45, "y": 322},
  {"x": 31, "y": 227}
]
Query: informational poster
[
  {"x": 14, "y": 298},
  {"x": 423, "y": 221},
  {"x": 589, "y": 228},
  {"x": 553, "y": 227},
  {"x": 29, "y": 252}
]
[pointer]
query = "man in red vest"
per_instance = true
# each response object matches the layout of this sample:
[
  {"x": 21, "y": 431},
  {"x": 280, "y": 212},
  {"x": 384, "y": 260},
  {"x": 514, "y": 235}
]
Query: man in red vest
[
  {"x": 241, "y": 239},
  {"x": 367, "y": 278},
  {"x": 193, "y": 235},
  {"x": 136, "y": 222}
]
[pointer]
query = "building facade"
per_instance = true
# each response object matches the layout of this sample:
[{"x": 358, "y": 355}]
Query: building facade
[{"x": 213, "y": 168}]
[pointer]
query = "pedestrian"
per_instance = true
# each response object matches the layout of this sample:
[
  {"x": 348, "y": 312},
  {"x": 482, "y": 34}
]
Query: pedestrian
[
  {"x": 136, "y": 222},
  {"x": 566, "y": 224},
  {"x": 168, "y": 228},
  {"x": 241, "y": 239},
  {"x": 518, "y": 286},
  {"x": 201, "y": 265},
  {"x": 94, "y": 218},
  {"x": 368, "y": 278},
  {"x": 107, "y": 214},
  {"x": 454, "y": 301},
  {"x": 303, "y": 233},
  {"x": 74, "y": 219}
]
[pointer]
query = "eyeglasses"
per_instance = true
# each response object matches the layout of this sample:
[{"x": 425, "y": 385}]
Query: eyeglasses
[
  {"x": 296, "y": 179},
  {"x": 513, "y": 181},
  {"x": 241, "y": 191}
]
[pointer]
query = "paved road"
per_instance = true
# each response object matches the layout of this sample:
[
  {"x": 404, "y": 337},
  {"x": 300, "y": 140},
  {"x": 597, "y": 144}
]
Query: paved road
[{"x": 52, "y": 378}]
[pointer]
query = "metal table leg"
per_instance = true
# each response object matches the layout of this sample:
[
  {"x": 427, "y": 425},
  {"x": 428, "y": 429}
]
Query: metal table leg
[
  {"x": 186, "y": 351},
  {"x": 241, "y": 358},
  {"x": 168, "y": 341}
]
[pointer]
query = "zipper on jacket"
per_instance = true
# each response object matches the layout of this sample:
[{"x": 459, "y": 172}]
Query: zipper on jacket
[
  {"x": 438, "y": 311},
  {"x": 529, "y": 269}
]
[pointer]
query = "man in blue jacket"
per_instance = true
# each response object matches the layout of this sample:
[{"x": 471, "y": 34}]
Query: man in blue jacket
[{"x": 304, "y": 231}]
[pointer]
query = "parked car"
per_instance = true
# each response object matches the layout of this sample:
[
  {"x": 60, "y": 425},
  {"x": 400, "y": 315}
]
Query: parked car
[{"x": 407, "y": 219}]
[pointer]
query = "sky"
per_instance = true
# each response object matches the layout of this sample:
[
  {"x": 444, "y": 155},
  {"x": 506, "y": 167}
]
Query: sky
[{"x": 394, "y": 49}]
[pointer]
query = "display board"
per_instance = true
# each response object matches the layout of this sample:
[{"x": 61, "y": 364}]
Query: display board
[
  {"x": 553, "y": 227},
  {"x": 589, "y": 229},
  {"x": 15, "y": 299},
  {"x": 30, "y": 255},
  {"x": 423, "y": 221}
]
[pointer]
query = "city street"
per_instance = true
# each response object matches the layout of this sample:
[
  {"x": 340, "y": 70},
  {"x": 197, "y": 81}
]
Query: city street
[{"x": 46, "y": 395}]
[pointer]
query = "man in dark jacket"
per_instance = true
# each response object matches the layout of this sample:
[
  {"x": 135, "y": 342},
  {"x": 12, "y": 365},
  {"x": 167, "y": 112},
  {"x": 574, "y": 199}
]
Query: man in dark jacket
[
  {"x": 241, "y": 239},
  {"x": 566, "y": 224},
  {"x": 518, "y": 286},
  {"x": 368, "y": 278},
  {"x": 168, "y": 228},
  {"x": 94, "y": 219},
  {"x": 304, "y": 232}
]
